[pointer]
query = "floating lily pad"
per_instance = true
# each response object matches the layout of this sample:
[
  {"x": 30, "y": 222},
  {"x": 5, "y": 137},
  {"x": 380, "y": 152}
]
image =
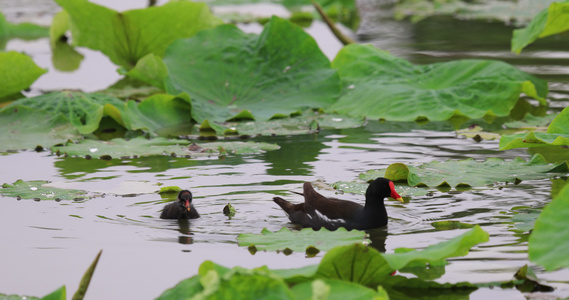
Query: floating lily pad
[
  {"x": 233, "y": 75},
  {"x": 322, "y": 239},
  {"x": 28, "y": 128},
  {"x": 17, "y": 72},
  {"x": 26, "y": 31},
  {"x": 126, "y": 37},
  {"x": 83, "y": 110},
  {"x": 469, "y": 172},
  {"x": 557, "y": 135},
  {"x": 549, "y": 21},
  {"x": 550, "y": 237},
  {"x": 37, "y": 190},
  {"x": 308, "y": 122},
  {"x": 120, "y": 148},
  {"x": 381, "y": 86}
]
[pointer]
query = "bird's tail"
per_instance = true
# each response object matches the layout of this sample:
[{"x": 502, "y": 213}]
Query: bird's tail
[{"x": 285, "y": 205}]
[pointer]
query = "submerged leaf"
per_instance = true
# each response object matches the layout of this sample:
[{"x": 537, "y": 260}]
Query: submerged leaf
[
  {"x": 322, "y": 239},
  {"x": 469, "y": 172},
  {"x": 38, "y": 191},
  {"x": 550, "y": 238},
  {"x": 233, "y": 75},
  {"x": 17, "y": 72},
  {"x": 126, "y": 37},
  {"x": 28, "y": 128},
  {"x": 118, "y": 148},
  {"x": 381, "y": 86}
]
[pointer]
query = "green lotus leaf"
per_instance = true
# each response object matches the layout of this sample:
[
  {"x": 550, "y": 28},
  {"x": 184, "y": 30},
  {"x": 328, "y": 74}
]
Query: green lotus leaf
[
  {"x": 322, "y": 239},
  {"x": 550, "y": 237},
  {"x": 37, "y": 190},
  {"x": 300, "y": 124},
  {"x": 17, "y": 72},
  {"x": 183, "y": 289},
  {"x": 230, "y": 74},
  {"x": 150, "y": 69},
  {"x": 120, "y": 148},
  {"x": 367, "y": 266},
  {"x": 28, "y": 128},
  {"x": 332, "y": 289},
  {"x": 550, "y": 21},
  {"x": 557, "y": 135},
  {"x": 160, "y": 114},
  {"x": 469, "y": 172},
  {"x": 128, "y": 36},
  {"x": 83, "y": 110},
  {"x": 381, "y": 86}
]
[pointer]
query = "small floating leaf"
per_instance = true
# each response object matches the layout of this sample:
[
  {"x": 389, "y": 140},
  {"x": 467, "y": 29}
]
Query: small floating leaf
[
  {"x": 322, "y": 239},
  {"x": 169, "y": 190},
  {"x": 448, "y": 225},
  {"x": 37, "y": 190},
  {"x": 229, "y": 210}
]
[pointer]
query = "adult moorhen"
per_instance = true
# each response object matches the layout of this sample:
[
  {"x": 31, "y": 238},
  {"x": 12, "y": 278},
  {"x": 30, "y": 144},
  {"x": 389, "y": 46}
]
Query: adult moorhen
[
  {"x": 181, "y": 209},
  {"x": 318, "y": 211}
]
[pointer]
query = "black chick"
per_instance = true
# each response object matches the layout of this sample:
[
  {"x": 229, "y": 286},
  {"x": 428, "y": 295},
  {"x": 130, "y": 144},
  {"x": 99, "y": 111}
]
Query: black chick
[{"x": 181, "y": 209}]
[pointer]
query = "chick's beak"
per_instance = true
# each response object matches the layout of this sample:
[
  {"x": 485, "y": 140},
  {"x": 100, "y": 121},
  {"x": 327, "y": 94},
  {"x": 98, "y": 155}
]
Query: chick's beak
[{"x": 187, "y": 205}]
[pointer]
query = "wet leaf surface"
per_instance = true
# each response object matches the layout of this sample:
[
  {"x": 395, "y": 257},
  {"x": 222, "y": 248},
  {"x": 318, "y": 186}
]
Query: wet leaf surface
[
  {"x": 121, "y": 148},
  {"x": 469, "y": 172},
  {"x": 298, "y": 241},
  {"x": 17, "y": 72},
  {"x": 28, "y": 128},
  {"x": 38, "y": 191}
]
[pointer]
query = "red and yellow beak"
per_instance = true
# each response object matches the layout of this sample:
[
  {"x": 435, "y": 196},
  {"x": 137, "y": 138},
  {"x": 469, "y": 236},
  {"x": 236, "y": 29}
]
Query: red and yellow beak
[
  {"x": 394, "y": 194},
  {"x": 187, "y": 205}
]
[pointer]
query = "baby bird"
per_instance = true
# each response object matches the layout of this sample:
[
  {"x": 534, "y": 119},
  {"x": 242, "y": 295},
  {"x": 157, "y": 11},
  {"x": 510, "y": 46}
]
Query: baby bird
[{"x": 181, "y": 209}]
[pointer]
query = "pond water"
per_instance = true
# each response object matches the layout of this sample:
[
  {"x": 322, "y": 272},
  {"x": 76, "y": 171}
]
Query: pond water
[{"x": 47, "y": 244}]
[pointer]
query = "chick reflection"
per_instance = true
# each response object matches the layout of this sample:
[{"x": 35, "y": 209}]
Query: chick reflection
[{"x": 186, "y": 237}]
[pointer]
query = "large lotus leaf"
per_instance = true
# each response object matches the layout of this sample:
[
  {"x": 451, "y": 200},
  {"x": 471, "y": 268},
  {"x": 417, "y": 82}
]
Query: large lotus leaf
[
  {"x": 517, "y": 12},
  {"x": 37, "y": 190},
  {"x": 550, "y": 21},
  {"x": 161, "y": 114},
  {"x": 469, "y": 172},
  {"x": 367, "y": 266},
  {"x": 331, "y": 289},
  {"x": 381, "y": 86},
  {"x": 233, "y": 75},
  {"x": 549, "y": 240},
  {"x": 183, "y": 289},
  {"x": 17, "y": 72},
  {"x": 18, "y": 297},
  {"x": 322, "y": 239},
  {"x": 128, "y": 36},
  {"x": 308, "y": 122},
  {"x": 83, "y": 110},
  {"x": 28, "y": 128},
  {"x": 557, "y": 135},
  {"x": 118, "y": 148}
]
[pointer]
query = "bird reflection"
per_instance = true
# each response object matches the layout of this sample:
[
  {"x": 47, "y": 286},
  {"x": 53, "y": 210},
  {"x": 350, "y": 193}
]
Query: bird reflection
[
  {"x": 378, "y": 237},
  {"x": 185, "y": 238}
]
